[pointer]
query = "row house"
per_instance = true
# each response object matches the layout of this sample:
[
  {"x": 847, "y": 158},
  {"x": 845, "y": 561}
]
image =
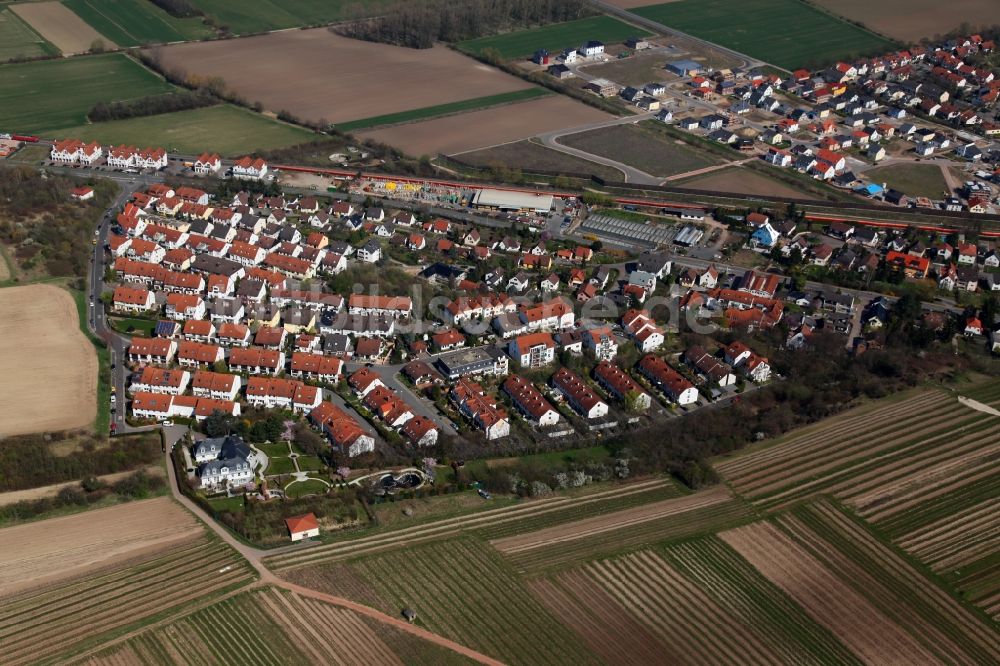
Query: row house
[
  {"x": 643, "y": 331},
  {"x": 233, "y": 335},
  {"x": 195, "y": 354},
  {"x": 382, "y": 306},
  {"x": 199, "y": 330},
  {"x": 530, "y": 401},
  {"x": 257, "y": 361},
  {"x": 184, "y": 306},
  {"x": 473, "y": 402},
  {"x": 313, "y": 300},
  {"x": 249, "y": 168},
  {"x": 674, "y": 385},
  {"x": 363, "y": 381},
  {"x": 343, "y": 432},
  {"x": 620, "y": 384},
  {"x": 71, "y": 151},
  {"x": 578, "y": 394},
  {"x": 217, "y": 385},
  {"x": 207, "y": 163},
  {"x": 478, "y": 307},
  {"x": 420, "y": 431},
  {"x": 556, "y": 314},
  {"x": 159, "y": 406},
  {"x": 290, "y": 266},
  {"x": 132, "y": 299},
  {"x": 158, "y": 380},
  {"x": 709, "y": 368},
  {"x": 316, "y": 367},
  {"x": 748, "y": 362},
  {"x": 152, "y": 350},
  {"x": 129, "y": 157},
  {"x": 272, "y": 393},
  {"x": 389, "y": 407}
]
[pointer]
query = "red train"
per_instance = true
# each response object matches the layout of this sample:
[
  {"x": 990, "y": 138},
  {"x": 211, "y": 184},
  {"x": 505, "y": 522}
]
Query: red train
[{"x": 25, "y": 138}]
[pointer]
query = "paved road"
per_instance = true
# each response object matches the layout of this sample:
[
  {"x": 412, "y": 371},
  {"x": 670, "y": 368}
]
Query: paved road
[
  {"x": 255, "y": 556},
  {"x": 389, "y": 374}
]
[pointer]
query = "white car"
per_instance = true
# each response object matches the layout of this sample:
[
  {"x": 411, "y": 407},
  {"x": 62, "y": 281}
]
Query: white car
[
  {"x": 113, "y": 398},
  {"x": 167, "y": 423}
]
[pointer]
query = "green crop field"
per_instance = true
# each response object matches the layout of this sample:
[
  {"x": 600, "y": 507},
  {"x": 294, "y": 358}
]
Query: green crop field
[
  {"x": 554, "y": 37},
  {"x": 786, "y": 33},
  {"x": 54, "y": 94},
  {"x": 252, "y": 16},
  {"x": 18, "y": 40},
  {"x": 224, "y": 129},
  {"x": 137, "y": 22},
  {"x": 443, "y": 109},
  {"x": 464, "y": 590}
]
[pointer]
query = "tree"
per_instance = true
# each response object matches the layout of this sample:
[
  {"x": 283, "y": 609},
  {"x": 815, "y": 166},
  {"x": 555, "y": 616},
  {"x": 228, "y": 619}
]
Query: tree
[
  {"x": 218, "y": 424},
  {"x": 97, "y": 46}
]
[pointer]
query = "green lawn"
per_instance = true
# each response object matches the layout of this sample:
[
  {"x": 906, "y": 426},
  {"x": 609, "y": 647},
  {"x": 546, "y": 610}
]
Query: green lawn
[
  {"x": 54, "y": 94},
  {"x": 310, "y": 464},
  {"x": 250, "y": 16},
  {"x": 132, "y": 325},
  {"x": 227, "y": 503},
  {"x": 276, "y": 466},
  {"x": 274, "y": 449},
  {"x": 442, "y": 109},
  {"x": 916, "y": 180},
  {"x": 19, "y": 40},
  {"x": 307, "y": 487},
  {"x": 225, "y": 129},
  {"x": 554, "y": 37},
  {"x": 787, "y": 33},
  {"x": 137, "y": 22}
]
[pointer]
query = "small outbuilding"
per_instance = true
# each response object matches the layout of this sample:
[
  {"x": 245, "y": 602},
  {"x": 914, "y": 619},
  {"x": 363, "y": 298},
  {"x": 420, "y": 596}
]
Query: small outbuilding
[{"x": 302, "y": 527}]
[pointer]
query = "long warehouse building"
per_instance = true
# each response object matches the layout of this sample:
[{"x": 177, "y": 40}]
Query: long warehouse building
[{"x": 512, "y": 202}]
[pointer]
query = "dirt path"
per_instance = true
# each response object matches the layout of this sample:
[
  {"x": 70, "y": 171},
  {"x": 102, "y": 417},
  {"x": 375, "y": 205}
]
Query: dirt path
[
  {"x": 978, "y": 406},
  {"x": 254, "y": 556}
]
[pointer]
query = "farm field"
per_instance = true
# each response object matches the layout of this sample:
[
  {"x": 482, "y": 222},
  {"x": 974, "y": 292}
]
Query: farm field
[
  {"x": 41, "y": 97},
  {"x": 49, "y": 622},
  {"x": 865, "y": 593},
  {"x": 742, "y": 181},
  {"x": 465, "y": 591},
  {"x": 528, "y": 155},
  {"x": 252, "y": 16},
  {"x": 550, "y": 511},
  {"x": 225, "y": 129},
  {"x": 786, "y": 33},
  {"x": 562, "y": 545},
  {"x": 640, "y": 148},
  {"x": 916, "y": 180},
  {"x": 554, "y": 37},
  {"x": 50, "y": 368},
  {"x": 868, "y": 456},
  {"x": 19, "y": 40},
  {"x": 487, "y": 127},
  {"x": 73, "y": 546},
  {"x": 443, "y": 109},
  {"x": 64, "y": 29},
  {"x": 394, "y": 79},
  {"x": 922, "y": 18},
  {"x": 137, "y": 22}
]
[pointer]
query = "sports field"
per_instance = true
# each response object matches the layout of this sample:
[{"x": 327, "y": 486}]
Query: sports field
[
  {"x": 137, "y": 22},
  {"x": 224, "y": 129},
  {"x": 54, "y": 94},
  {"x": 252, "y": 16},
  {"x": 786, "y": 33},
  {"x": 555, "y": 37},
  {"x": 18, "y": 40}
]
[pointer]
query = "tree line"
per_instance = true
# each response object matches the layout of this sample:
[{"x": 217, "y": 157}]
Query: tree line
[
  {"x": 420, "y": 23},
  {"x": 152, "y": 105},
  {"x": 178, "y": 8}
]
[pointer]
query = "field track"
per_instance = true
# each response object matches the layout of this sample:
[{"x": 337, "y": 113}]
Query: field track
[{"x": 483, "y": 520}]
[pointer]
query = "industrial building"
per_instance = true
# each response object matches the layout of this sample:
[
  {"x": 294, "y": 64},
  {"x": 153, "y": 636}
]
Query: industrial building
[{"x": 512, "y": 202}]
